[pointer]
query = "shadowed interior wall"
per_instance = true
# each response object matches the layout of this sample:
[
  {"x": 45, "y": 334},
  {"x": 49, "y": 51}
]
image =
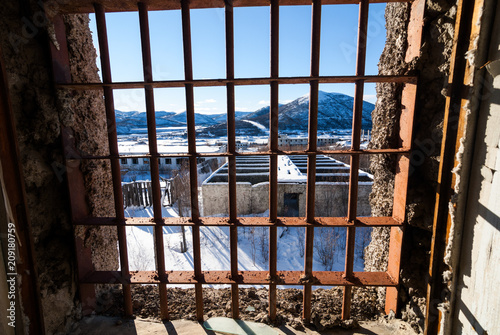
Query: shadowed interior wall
[{"x": 39, "y": 112}]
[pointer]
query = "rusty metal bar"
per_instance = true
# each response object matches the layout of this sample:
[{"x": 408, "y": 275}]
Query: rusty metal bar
[
  {"x": 355, "y": 144},
  {"x": 400, "y": 192},
  {"x": 311, "y": 158},
  {"x": 241, "y": 82},
  {"x": 76, "y": 185},
  {"x": 402, "y": 151},
  {"x": 85, "y": 6},
  {"x": 273, "y": 160},
  {"x": 395, "y": 247},
  {"x": 231, "y": 140},
  {"x": 113, "y": 150},
  {"x": 459, "y": 76},
  {"x": 408, "y": 101},
  {"x": 193, "y": 172},
  {"x": 320, "y": 278},
  {"x": 245, "y": 222},
  {"x": 12, "y": 183},
  {"x": 153, "y": 149}
]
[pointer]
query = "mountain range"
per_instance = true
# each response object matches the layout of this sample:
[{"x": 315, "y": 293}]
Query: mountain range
[{"x": 334, "y": 112}]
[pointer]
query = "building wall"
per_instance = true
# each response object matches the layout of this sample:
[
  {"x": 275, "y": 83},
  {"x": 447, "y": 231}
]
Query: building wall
[
  {"x": 331, "y": 198},
  {"x": 39, "y": 111},
  {"x": 432, "y": 67},
  {"x": 478, "y": 291}
]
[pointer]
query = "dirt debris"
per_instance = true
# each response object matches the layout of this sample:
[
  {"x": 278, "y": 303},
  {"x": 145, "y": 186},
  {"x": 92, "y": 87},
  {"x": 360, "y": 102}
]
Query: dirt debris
[{"x": 326, "y": 305}]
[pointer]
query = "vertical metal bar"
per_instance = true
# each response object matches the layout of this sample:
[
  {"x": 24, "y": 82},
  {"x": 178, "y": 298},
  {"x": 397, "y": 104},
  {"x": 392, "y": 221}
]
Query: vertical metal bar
[
  {"x": 355, "y": 144},
  {"x": 193, "y": 173},
  {"x": 400, "y": 192},
  {"x": 231, "y": 140},
  {"x": 311, "y": 158},
  {"x": 453, "y": 128},
  {"x": 273, "y": 159},
  {"x": 76, "y": 185},
  {"x": 113, "y": 150},
  {"x": 153, "y": 150}
]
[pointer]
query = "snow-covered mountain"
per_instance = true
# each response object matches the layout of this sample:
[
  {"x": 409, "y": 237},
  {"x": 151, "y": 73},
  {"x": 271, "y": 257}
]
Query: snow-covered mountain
[
  {"x": 334, "y": 112},
  {"x": 136, "y": 122}
]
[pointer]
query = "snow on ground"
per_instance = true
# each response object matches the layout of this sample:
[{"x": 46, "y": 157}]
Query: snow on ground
[
  {"x": 288, "y": 172},
  {"x": 215, "y": 253}
]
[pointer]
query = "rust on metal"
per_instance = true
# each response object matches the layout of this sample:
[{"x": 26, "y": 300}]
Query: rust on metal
[
  {"x": 460, "y": 75},
  {"x": 355, "y": 145},
  {"x": 244, "y": 222},
  {"x": 191, "y": 131},
  {"x": 241, "y": 81},
  {"x": 311, "y": 157},
  {"x": 85, "y": 6},
  {"x": 273, "y": 160},
  {"x": 320, "y": 278},
  {"x": 153, "y": 150},
  {"x": 113, "y": 150},
  {"x": 231, "y": 148},
  {"x": 415, "y": 26},
  {"x": 76, "y": 184},
  {"x": 390, "y": 151}
]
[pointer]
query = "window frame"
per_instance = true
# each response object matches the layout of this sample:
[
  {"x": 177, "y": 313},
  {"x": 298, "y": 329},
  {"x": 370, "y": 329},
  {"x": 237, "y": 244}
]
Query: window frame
[{"x": 88, "y": 276}]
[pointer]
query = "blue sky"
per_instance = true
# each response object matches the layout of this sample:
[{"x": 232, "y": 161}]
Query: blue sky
[{"x": 252, "y": 55}]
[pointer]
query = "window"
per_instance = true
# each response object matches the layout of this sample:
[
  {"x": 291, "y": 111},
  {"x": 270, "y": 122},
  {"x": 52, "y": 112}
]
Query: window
[
  {"x": 123, "y": 161},
  {"x": 347, "y": 278},
  {"x": 168, "y": 161}
]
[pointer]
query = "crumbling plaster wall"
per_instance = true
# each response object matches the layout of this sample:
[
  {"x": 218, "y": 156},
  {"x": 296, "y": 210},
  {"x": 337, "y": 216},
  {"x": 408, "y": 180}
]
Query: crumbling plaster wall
[
  {"x": 432, "y": 67},
  {"x": 39, "y": 115}
]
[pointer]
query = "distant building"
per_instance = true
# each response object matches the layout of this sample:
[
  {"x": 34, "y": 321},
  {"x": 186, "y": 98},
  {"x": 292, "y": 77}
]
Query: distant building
[
  {"x": 252, "y": 187},
  {"x": 285, "y": 140},
  {"x": 136, "y": 162}
]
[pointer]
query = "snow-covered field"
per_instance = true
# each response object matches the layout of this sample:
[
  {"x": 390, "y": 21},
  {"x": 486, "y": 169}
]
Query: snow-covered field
[
  {"x": 215, "y": 254},
  {"x": 253, "y": 243}
]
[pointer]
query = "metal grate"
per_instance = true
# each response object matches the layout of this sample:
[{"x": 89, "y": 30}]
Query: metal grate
[{"x": 88, "y": 276}]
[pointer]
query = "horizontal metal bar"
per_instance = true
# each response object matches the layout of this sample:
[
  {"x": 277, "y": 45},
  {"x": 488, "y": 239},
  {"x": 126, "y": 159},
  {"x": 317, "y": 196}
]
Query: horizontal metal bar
[
  {"x": 244, "y": 277},
  {"x": 86, "y": 6},
  {"x": 402, "y": 151},
  {"x": 241, "y": 82},
  {"x": 244, "y": 222}
]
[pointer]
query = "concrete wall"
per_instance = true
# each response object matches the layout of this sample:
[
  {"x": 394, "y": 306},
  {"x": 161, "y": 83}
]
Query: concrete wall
[
  {"x": 477, "y": 307},
  {"x": 331, "y": 198}
]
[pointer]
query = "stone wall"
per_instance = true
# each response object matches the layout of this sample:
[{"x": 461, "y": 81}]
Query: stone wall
[
  {"x": 432, "y": 67},
  {"x": 39, "y": 115},
  {"x": 331, "y": 198}
]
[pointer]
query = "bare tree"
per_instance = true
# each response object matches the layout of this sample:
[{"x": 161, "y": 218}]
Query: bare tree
[
  {"x": 263, "y": 236},
  {"x": 183, "y": 195},
  {"x": 300, "y": 238},
  {"x": 253, "y": 247},
  {"x": 327, "y": 246}
]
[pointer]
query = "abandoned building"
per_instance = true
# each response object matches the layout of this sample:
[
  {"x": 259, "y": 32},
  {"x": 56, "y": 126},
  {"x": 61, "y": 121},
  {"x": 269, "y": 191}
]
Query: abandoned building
[
  {"x": 252, "y": 187},
  {"x": 432, "y": 263}
]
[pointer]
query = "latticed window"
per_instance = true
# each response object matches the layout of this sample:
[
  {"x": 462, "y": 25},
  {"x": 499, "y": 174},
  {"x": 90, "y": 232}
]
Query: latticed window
[{"x": 351, "y": 221}]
